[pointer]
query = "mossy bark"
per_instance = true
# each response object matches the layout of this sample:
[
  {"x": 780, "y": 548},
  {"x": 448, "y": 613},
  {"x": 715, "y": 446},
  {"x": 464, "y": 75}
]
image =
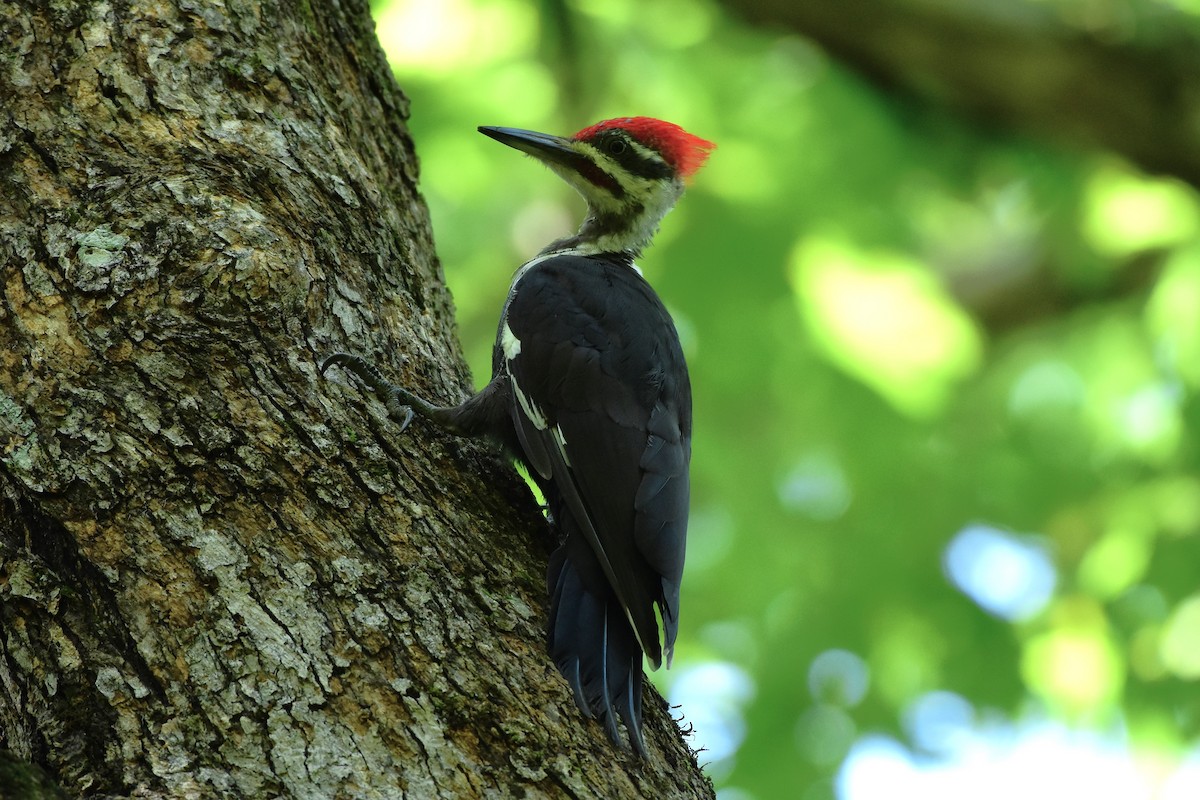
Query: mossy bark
[{"x": 220, "y": 575}]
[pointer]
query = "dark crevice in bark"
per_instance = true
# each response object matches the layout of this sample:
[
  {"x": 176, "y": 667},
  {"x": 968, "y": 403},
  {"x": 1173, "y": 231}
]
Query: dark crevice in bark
[{"x": 83, "y": 611}]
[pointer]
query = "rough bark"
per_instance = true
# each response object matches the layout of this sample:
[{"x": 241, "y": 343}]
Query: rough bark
[
  {"x": 1130, "y": 86},
  {"x": 220, "y": 575}
]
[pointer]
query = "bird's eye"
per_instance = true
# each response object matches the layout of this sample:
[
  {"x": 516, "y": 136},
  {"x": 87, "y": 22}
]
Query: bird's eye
[{"x": 615, "y": 147}]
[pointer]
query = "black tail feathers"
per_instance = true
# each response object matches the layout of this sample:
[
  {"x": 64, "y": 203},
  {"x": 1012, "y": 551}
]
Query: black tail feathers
[{"x": 594, "y": 647}]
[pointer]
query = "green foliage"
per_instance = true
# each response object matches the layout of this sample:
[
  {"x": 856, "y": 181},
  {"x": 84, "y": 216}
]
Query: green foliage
[{"x": 899, "y": 326}]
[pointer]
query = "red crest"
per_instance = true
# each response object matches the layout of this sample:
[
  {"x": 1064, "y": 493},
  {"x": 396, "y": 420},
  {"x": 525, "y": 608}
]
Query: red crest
[{"x": 684, "y": 151}]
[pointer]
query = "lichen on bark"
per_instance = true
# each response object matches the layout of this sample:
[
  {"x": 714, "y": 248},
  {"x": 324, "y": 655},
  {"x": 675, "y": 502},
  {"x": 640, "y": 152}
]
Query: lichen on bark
[{"x": 220, "y": 575}]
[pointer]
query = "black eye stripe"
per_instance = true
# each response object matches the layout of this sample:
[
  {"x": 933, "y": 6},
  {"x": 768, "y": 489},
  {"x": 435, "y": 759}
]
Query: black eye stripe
[
  {"x": 630, "y": 159},
  {"x": 588, "y": 169},
  {"x": 603, "y": 179}
]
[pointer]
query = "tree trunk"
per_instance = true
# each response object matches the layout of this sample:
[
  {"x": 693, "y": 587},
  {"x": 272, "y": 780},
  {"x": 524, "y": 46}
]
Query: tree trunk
[{"x": 220, "y": 575}]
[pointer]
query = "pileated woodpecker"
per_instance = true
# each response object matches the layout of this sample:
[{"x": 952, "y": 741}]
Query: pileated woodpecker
[{"x": 589, "y": 388}]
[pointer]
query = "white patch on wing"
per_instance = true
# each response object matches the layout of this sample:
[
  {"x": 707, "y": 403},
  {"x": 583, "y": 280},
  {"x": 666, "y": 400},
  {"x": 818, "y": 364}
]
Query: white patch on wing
[
  {"x": 561, "y": 441},
  {"x": 531, "y": 411},
  {"x": 509, "y": 342}
]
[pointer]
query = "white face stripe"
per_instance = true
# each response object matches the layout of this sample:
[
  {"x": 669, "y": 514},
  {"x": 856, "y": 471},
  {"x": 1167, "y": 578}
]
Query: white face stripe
[
  {"x": 650, "y": 198},
  {"x": 632, "y": 184},
  {"x": 635, "y": 187},
  {"x": 643, "y": 151}
]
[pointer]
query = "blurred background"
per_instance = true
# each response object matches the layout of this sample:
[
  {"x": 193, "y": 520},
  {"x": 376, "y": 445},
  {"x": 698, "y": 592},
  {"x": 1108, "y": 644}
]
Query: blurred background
[{"x": 939, "y": 287}]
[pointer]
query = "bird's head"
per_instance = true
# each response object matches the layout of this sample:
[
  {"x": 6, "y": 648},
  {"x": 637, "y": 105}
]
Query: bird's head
[{"x": 630, "y": 170}]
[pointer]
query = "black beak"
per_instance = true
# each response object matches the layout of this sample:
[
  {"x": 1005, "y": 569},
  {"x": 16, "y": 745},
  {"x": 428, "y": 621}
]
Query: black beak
[
  {"x": 559, "y": 154},
  {"x": 542, "y": 146}
]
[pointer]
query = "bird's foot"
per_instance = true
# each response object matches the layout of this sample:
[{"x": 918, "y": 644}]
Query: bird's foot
[{"x": 394, "y": 397}]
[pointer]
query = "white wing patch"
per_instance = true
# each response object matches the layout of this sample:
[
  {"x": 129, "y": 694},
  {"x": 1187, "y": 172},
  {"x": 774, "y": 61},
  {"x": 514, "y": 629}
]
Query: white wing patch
[
  {"x": 511, "y": 346},
  {"x": 509, "y": 342},
  {"x": 533, "y": 412},
  {"x": 561, "y": 441}
]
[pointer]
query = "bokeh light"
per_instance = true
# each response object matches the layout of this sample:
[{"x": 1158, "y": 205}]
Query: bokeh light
[
  {"x": 945, "y": 478},
  {"x": 1007, "y": 576}
]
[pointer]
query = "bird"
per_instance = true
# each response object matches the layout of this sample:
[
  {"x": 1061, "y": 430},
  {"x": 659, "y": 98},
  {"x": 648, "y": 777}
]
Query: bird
[{"x": 590, "y": 390}]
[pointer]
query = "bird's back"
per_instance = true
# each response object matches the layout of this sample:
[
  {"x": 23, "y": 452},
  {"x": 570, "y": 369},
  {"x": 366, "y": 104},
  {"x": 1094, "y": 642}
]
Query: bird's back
[{"x": 601, "y": 405}]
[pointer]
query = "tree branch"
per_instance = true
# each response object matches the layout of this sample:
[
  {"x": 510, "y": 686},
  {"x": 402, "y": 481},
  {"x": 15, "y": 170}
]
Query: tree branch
[{"x": 1019, "y": 65}]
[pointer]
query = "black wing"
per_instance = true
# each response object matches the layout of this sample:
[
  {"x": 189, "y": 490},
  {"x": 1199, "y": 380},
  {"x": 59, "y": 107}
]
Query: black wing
[{"x": 602, "y": 407}]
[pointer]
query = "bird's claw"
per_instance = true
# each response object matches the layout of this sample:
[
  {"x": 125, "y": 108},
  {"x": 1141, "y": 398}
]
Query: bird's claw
[
  {"x": 392, "y": 395},
  {"x": 338, "y": 359},
  {"x": 400, "y": 412}
]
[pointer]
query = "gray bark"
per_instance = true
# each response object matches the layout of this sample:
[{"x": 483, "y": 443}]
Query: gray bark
[{"x": 220, "y": 575}]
